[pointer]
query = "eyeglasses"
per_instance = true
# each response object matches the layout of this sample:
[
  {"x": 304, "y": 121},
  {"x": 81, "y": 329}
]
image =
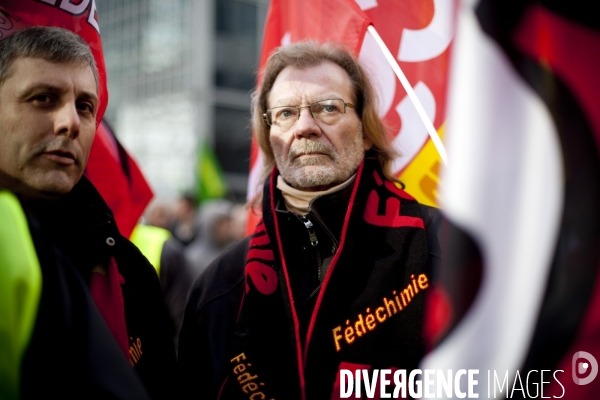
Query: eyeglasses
[{"x": 327, "y": 111}]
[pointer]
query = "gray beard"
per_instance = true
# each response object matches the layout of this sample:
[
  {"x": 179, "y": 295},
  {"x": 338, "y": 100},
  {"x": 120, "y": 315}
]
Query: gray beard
[{"x": 314, "y": 171}]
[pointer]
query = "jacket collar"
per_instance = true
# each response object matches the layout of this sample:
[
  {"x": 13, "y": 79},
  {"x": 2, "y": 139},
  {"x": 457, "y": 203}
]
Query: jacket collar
[
  {"x": 329, "y": 209},
  {"x": 82, "y": 224}
]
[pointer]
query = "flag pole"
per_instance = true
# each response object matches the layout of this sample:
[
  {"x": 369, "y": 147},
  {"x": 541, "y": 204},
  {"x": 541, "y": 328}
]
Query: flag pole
[{"x": 435, "y": 138}]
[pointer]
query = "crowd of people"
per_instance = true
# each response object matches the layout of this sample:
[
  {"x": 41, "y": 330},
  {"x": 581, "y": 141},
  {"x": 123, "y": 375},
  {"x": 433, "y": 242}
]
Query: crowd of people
[
  {"x": 203, "y": 230},
  {"x": 194, "y": 236}
]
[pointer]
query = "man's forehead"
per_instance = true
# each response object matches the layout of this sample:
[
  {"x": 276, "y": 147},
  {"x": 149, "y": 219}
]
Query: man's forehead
[
  {"x": 297, "y": 99},
  {"x": 307, "y": 85},
  {"x": 34, "y": 71}
]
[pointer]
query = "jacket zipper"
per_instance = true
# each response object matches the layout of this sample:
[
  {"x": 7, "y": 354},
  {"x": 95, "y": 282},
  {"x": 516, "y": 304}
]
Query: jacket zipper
[
  {"x": 333, "y": 239},
  {"x": 314, "y": 241},
  {"x": 311, "y": 230}
]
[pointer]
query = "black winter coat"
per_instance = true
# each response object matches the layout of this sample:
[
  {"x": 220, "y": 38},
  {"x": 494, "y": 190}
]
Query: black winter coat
[
  {"x": 207, "y": 336},
  {"x": 72, "y": 353}
]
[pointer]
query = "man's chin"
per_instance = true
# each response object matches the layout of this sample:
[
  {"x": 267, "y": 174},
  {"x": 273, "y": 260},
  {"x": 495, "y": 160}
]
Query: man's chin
[
  {"x": 312, "y": 160},
  {"x": 52, "y": 188},
  {"x": 310, "y": 177}
]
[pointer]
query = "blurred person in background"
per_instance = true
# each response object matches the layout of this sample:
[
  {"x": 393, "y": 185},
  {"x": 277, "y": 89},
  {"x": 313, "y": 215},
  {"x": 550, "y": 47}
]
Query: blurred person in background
[
  {"x": 334, "y": 274},
  {"x": 81, "y": 310},
  {"x": 160, "y": 214},
  {"x": 166, "y": 254},
  {"x": 185, "y": 226},
  {"x": 214, "y": 237},
  {"x": 239, "y": 218}
]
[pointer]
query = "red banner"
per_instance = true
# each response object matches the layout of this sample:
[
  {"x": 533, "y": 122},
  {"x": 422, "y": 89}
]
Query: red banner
[
  {"x": 118, "y": 179},
  {"x": 291, "y": 21},
  {"x": 419, "y": 36}
]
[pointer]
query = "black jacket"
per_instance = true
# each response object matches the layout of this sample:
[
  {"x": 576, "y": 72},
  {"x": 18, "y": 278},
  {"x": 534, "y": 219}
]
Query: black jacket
[
  {"x": 214, "y": 304},
  {"x": 72, "y": 353}
]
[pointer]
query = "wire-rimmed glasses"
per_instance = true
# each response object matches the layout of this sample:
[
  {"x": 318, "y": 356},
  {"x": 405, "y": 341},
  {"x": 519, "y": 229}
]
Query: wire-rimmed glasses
[{"x": 327, "y": 111}]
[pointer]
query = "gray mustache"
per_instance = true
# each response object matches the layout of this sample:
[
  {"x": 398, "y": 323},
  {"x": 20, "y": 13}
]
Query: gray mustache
[{"x": 308, "y": 147}]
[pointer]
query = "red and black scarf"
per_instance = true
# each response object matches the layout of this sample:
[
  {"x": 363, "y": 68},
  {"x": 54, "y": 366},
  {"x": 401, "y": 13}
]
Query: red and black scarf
[{"x": 368, "y": 314}]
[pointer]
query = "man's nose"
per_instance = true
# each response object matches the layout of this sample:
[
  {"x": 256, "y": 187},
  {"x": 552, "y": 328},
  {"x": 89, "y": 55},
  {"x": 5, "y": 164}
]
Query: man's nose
[
  {"x": 306, "y": 125},
  {"x": 67, "y": 121}
]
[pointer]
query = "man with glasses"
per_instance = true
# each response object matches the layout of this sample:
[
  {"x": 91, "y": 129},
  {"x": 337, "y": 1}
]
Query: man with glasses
[{"x": 335, "y": 276}]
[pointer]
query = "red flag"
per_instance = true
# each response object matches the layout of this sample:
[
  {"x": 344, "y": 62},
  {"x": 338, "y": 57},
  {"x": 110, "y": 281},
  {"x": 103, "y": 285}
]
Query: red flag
[
  {"x": 418, "y": 35},
  {"x": 290, "y": 21},
  {"x": 118, "y": 179},
  {"x": 110, "y": 168}
]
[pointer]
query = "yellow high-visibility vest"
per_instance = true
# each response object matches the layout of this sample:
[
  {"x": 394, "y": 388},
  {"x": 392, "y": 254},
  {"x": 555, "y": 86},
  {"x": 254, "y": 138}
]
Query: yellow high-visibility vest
[
  {"x": 150, "y": 241},
  {"x": 20, "y": 291}
]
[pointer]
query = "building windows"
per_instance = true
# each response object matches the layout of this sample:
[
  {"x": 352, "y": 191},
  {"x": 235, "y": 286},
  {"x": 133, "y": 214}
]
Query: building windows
[{"x": 189, "y": 65}]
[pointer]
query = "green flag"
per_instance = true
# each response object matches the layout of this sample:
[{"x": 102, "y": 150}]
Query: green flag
[{"x": 211, "y": 182}]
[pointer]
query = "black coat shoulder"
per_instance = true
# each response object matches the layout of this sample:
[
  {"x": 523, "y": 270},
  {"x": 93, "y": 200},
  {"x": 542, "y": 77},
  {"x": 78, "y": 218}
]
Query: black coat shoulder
[
  {"x": 221, "y": 277},
  {"x": 209, "y": 322},
  {"x": 72, "y": 352}
]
